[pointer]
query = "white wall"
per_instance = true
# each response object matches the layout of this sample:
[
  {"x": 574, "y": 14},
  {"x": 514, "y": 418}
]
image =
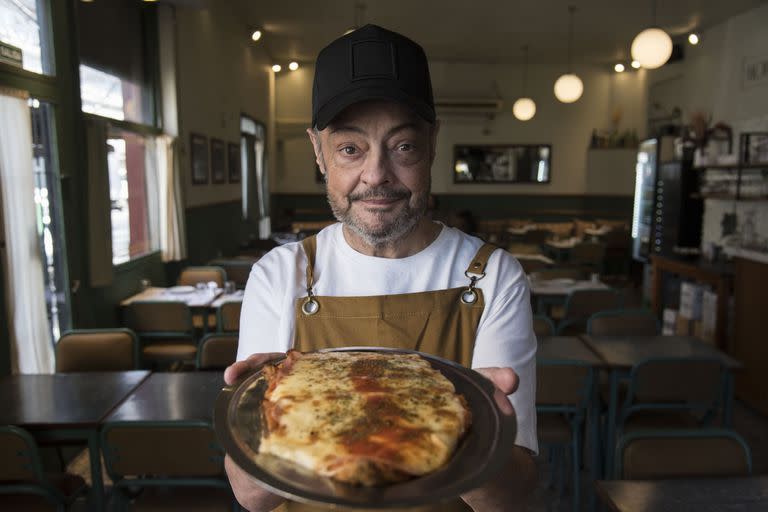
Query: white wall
[
  {"x": 221, "y": 74},
  {"x": 566, "y": 127}
]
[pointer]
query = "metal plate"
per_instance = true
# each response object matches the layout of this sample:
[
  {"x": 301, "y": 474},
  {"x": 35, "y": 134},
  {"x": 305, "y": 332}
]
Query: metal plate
[{"x": 479, "y": 456}]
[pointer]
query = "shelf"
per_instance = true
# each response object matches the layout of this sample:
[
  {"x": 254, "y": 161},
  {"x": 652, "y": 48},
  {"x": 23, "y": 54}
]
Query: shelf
[{"x": 733, "y": 167}]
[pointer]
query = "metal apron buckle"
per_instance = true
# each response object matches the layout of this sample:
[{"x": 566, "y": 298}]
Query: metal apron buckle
[{"x": 469, "y": 296}]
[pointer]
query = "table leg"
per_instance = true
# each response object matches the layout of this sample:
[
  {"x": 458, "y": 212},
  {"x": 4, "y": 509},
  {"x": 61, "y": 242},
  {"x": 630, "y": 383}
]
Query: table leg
[
  {"x": 594, "y": 431},
  {"x": 97, "y": 484},
  {"x": 611, "y": 434}
]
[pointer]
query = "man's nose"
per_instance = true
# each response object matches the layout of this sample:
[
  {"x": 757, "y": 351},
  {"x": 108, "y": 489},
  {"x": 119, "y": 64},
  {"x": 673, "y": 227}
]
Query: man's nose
[{"x": 378, "y": 168}]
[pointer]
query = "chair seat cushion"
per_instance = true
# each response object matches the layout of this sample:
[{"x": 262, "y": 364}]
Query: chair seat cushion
[{"x": 553, "y": 428}]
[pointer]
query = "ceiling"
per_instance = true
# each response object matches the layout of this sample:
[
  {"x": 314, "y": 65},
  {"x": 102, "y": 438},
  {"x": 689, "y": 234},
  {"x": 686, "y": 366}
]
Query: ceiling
[{"x": 479, "y": 30}]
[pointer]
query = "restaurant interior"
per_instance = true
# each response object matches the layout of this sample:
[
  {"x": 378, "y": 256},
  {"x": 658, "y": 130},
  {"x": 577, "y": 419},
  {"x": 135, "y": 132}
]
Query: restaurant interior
[{"x": 151, "y": 152}]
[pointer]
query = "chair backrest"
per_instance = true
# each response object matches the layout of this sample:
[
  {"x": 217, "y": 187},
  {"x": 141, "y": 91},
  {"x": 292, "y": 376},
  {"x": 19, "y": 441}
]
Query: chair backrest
[
  {"x": 584, "y": 303},
  {"x": 167, "y": 449},
  {"x": 193, "y": 275},
  {"x": 588, "y": 253},
  {"x": 623, "y": 322},
  {"x": 562, "y": 384},
  {"x": 93, "y": 350},
  {"x": 690, "y": 382},
  {"x": 159, "y": 317},
  {"x": 237, "y": 269},
  {"x": 229, "y": 316},
  {"x": 536, "y": 236},
  {"x": 648, "y": 455},
  {"x": 531, "y": 265},
  {"x": 543, "y": 326},
  {"x": 217, "y": 351},
  {"x": 18, "y": 451}
]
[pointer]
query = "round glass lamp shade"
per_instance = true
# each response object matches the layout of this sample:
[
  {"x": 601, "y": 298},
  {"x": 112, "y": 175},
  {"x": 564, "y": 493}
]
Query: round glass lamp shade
[
  {"x": 568, "y": 88},
  {"x": 652, "y": 48},
  {"x": 524, "y": 109}
]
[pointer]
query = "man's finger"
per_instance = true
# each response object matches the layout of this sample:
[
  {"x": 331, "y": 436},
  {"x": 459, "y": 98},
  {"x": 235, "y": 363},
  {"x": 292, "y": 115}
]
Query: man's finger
[
  {"x": 234, "y": 371},
  {"x": 505, "y": 379}
]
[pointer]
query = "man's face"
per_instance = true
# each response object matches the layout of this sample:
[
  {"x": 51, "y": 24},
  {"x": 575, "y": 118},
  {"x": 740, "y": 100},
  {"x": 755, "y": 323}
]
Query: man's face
[{"x": 376, "y": 157}]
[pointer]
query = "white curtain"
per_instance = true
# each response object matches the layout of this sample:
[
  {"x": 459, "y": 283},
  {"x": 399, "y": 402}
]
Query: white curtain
[
  {"x": 170, "y": 216},
  {"x": 31, "y": 348}
]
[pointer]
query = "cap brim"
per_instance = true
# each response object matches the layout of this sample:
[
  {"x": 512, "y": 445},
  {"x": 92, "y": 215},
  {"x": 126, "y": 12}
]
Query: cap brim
[{"x": 334, "y": 107}]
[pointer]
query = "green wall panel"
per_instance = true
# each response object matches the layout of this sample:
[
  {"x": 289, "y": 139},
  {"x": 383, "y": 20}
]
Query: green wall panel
[{"x": 216, "y": 230}]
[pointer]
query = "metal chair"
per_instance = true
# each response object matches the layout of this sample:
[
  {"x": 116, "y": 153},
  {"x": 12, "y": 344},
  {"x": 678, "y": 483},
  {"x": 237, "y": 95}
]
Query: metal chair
[
  {"x": 152, "y": 455},
  {"x": 664, "y": 454},
  {"x": 217, "y": 351},
  {"x": 165, "y": 331},
  {"x": 94, "y": 350},
  {"x": 543, "y": 326},
  {"x": 623, "y": 322},
  {"x": 564, "y": 389},
  {"x": 204, "y": 274},
  {"x": 228, "y": 316},
  {"x": 23, "y": 484},
  {"x": 581, "y": 304}
]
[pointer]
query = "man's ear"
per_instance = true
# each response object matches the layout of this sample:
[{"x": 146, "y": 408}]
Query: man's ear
[{"x": 314, "y": 138}]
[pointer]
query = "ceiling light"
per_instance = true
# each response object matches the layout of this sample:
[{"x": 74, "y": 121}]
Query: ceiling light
[
  {"x": 256, "y": 35},
  {"x": 619, "y": 68},
  {"x": 652, "y": 47},
  {"x": 693, "y": 38},
  {"x": 276, "y": 68},
  {"x": 524, "y": 108},
  {"x": 293, "y": 66},
  {"x": 569, "y": 87},
  {"x": 636, "y": 64}
]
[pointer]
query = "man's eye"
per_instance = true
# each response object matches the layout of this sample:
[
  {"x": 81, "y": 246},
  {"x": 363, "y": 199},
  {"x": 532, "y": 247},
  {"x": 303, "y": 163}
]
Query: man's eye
[
  {"x": 406, "y": 147},
  {"x": 349, "y": 150}
]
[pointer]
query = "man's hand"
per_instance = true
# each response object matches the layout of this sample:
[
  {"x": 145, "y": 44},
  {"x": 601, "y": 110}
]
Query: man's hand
[
  {"x": 248, "y": 492},
  {"x": 510, "y": 489}
]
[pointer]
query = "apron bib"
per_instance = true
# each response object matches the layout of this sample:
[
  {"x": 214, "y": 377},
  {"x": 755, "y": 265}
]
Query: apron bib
[{"x": 441, "y": 323}]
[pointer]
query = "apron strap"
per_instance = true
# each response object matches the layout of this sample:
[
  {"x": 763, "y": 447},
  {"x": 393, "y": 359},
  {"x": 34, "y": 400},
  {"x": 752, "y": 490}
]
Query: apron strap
[
  {"x": 310, "y": 249},
  {"x": 478, "y": 263}
]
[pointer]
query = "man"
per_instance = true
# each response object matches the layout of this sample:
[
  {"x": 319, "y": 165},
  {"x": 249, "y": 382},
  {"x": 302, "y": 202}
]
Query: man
[{"x": 386, "y": 275}]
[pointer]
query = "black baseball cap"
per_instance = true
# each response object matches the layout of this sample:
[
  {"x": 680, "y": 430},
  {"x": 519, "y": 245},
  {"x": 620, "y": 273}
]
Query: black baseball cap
[{"x": 371, "y": 63}]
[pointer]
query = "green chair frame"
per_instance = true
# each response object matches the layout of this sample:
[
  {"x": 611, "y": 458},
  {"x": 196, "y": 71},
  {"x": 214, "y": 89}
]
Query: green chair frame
[
  {"x": 30, "y": 458},
  {"x": 199, "y": 360},
  {"x": 576, "y": 415},
  {"x": 188, "y": 333},
  {"x": 136, "y": 341}
]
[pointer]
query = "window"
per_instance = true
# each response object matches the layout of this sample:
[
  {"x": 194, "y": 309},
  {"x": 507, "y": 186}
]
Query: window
[
  {"x": 116, "y": 74},
  {"x": 131, "y": 205},
  {"x": 508, "y": 163},
  {"x": 254, "y": 175},
  {"x": 24, "y": 26}
]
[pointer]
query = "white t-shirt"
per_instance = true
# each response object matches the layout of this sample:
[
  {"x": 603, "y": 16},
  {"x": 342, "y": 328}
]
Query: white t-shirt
[{"x": 505, "y": 335}]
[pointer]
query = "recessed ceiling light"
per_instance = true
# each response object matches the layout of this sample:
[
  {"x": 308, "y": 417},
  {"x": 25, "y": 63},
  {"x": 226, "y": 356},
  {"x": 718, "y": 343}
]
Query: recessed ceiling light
[
  {"x": 693, "y": 38},
  {"x": 636, "y": 64},
  {"x": 256, "y": 35},
  {"x": 619, "y": 68},
  {"x": 293, "y": 66},
  {"x": 276, "y": 68}
]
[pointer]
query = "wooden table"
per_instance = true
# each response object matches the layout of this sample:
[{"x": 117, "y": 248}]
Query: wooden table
[
  {"x": 621, "y": 353},
  {"x": 700, "y": 495},
  {"x": 178, "y": 396},
  {"x": 548, "y": 292},
  {"x": 67, "y": 406}
]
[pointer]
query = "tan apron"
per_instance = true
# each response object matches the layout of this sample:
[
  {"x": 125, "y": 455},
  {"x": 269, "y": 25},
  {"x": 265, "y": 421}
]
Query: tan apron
[{"x": 442, "y": 323}]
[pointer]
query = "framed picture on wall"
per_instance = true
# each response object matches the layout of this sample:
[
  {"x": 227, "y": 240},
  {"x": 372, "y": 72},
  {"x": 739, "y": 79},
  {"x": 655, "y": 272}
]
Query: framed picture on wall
[
  {"x": 198, "y": 158},
  {"x": 233, "y": 161},
  {"x": 218, "y": 161}
]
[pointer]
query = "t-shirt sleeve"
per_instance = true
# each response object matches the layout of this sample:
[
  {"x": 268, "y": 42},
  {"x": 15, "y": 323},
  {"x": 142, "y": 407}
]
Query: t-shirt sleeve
[
  {"x": 260, "y": 315},
  {"x": 505, "y": 338}
]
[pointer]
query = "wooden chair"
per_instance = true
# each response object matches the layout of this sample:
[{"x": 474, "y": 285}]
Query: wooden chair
[
  {"x": 536, "y": 236},
  {"x": 177, "y": 455},
  {"x": 93, "y": 350},
  {"x": 623, "y": 322},
  {"x": 217, "y": 351},
  {"x": 23, "y": 484},
  {"x": 165, "y": 331},
  {"x": 563, "y": 392},
  {"x": 237, "y": 269},
  {"x": 576, "y": 274},
  {"x": 665, "y": 454},
  {"x": 588, "y": 256},
  {"x": 229, "y": 316},
  {"x": 190, "y": 276},
  {"x": 531, "y": 265},
  {"x": 581, "y": 304},
  {"x": 543, "y": 326}
]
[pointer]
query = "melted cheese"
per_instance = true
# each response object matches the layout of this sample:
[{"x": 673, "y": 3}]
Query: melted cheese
[{"x": 362, "y": 417}]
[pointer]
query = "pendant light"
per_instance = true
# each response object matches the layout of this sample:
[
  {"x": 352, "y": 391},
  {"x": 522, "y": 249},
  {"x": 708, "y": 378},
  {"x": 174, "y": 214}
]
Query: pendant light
[
  {"x": 569, "y": 87},
  {"x": 652, "y": 47},
  {"x": 524, "y": 108}
]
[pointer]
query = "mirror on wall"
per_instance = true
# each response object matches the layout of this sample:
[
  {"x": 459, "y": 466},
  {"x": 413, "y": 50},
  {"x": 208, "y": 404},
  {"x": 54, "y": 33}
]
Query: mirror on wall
[{"x": 502, "y": 163}]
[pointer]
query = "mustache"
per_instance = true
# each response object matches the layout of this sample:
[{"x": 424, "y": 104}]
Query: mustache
[{"x": 379, "y": 193}]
